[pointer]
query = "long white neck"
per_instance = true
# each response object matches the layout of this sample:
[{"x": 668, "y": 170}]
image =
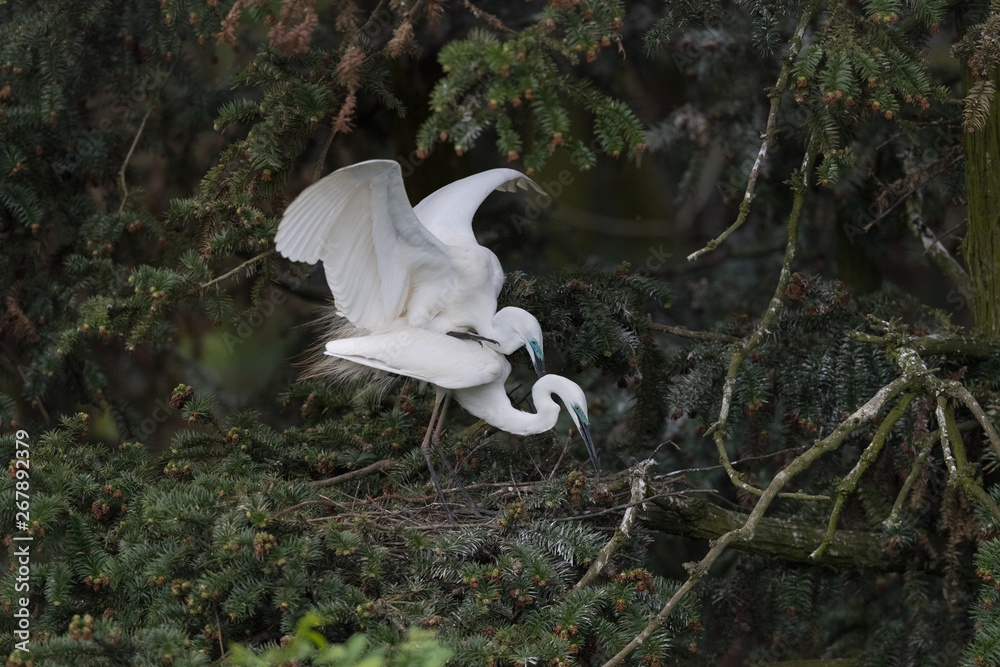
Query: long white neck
[{"x": 490, "y": 403}]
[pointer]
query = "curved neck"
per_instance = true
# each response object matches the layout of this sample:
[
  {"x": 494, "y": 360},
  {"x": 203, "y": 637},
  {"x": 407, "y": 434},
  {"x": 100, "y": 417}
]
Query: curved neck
[
  {"x": 490, "y": 403},
  {"x": 509, "y": 339}
]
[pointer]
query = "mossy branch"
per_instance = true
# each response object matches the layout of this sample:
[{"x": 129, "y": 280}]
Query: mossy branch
[
  {"x": 742, "y": 350},
  {"x": 957, "y": 390},
  {"x": 924, "y": 448},
  {"x": 684, "y": 332},
  {"x": 960, "y": 473},
  {"x": 846, "y": 486},
  {"x": 932, "y": 246},
  {"x": 637, "y": 475},
  {"x": 697, "y": 571},
  {"x": 784, "y": 539},
  {"x": 794, "y": 45}
]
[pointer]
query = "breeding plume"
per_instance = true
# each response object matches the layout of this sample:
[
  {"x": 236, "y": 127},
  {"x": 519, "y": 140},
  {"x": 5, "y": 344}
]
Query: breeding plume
[{"x": 390, "y": 265}]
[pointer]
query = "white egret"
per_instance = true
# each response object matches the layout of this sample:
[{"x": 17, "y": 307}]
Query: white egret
[
  {"x": 389, "y": 264},
  {"x": 475, "y": 376}
]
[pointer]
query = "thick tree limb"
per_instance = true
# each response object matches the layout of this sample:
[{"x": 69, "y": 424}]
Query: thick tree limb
[
  {"x": 698, "y": 517},
  {"x": 747, "y": 531}
]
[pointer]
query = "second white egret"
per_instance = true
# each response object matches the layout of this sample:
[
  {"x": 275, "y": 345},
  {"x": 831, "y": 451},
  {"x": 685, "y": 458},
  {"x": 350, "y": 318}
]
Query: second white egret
[{"x": 475, "y": 376}]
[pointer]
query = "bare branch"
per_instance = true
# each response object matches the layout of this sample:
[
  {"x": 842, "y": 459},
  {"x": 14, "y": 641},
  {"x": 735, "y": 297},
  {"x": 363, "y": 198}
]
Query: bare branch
[
  {"x": 794, "y": 44},
  {"x": 378, "y": 466},
  {"x": 637, "y": 475}
]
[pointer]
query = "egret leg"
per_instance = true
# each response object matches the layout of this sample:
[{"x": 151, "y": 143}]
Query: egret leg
[
  {"x": 436, "y": 440},
  {"x": 425, "y": 447},
  {"x": 444, "y": 403}
]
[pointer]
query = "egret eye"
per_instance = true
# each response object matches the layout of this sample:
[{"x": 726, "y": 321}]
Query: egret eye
[
  {"x": 576, "y": 406},
  {"x": 534, "y": 341}
]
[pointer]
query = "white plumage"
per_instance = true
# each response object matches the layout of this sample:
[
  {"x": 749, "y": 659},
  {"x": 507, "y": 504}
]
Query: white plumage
[
  {"x": 407, "y": 277},
  {"x": 389, "y": 264},
  {"x": 475, "y": 375}
]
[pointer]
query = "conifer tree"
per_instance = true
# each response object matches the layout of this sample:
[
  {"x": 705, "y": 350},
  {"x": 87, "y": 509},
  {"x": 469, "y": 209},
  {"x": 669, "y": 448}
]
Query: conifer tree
[{"x": 817, "y": 447}]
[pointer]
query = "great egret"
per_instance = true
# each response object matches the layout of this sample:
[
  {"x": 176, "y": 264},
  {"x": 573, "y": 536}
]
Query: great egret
[
  {"x": 389, "y": 264},
  {"x": 475, "y": 376}
]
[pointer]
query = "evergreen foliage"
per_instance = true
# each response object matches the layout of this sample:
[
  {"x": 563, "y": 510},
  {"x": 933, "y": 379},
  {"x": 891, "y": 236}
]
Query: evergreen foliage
[{"x": 147, "y": 151}]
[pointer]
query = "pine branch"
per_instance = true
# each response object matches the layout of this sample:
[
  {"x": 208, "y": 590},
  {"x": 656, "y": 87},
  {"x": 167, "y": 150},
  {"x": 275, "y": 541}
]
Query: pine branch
[
  {"x": 846, "y": 486},
  {"x": 794, "y": 45},
  {"x": 697, "y": 571},
  {"x": 742, "y": 351}
]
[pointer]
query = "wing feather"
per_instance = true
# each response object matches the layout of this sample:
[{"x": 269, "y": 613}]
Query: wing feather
[
  {"x": 424, "y": 355},
  {"x": 448, "y": 212},
  {"x": 359, "y": 223}
]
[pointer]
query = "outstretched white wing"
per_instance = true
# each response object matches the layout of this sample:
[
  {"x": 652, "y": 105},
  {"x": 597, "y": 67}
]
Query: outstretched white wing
[
  {"x": 359, "y": 223},
  {"x": 448, "y": 212},
  {"x": 425, "y": 355}
]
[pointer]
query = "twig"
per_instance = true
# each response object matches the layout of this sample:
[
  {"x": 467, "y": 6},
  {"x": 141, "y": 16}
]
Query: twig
[
  {"x": 239, "y": 268},
  {"x": 924, "y": 448},
  {"x": 915, "y": 221},
  {"x": 685, "y": 471},
  {"x": 321, "y": 160},
  {"x": 638, "y": 479},
  {"x": 222, "y": 646},
  {"x": 794, "y": 44},
  {"x": 378, "y": 466},
  {"x": 121, "y": 173},
  {"x": 689, "y": 333},
  {"x": 625, "y": 506},
  {"x": 697, "y": 571},
  {"x": 945, "y": 164},
  {"x": 569, "y": 436},
  {"x": 325, "y": 501},
  {"x": 849, "y": 483},
  {"x": 741, "y": 351},
  {"x": 490, "y": 19}
]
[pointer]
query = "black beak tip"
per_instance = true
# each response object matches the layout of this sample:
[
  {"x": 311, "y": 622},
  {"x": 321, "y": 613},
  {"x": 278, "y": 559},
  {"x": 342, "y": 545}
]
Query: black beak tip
[{"x": 585, "y": 432}]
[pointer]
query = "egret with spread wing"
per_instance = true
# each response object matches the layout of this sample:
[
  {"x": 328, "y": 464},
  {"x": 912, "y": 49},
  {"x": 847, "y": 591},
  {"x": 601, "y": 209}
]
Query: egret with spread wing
[
  {"x": 389, "y": 264},
  {"x": 475, "y": 376}
]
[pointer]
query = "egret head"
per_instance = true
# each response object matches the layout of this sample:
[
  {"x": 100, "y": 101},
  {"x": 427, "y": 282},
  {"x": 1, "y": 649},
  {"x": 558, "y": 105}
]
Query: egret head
[
  {"x": 516, "y": 327},
  {"x": 576, "y": 403}
]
